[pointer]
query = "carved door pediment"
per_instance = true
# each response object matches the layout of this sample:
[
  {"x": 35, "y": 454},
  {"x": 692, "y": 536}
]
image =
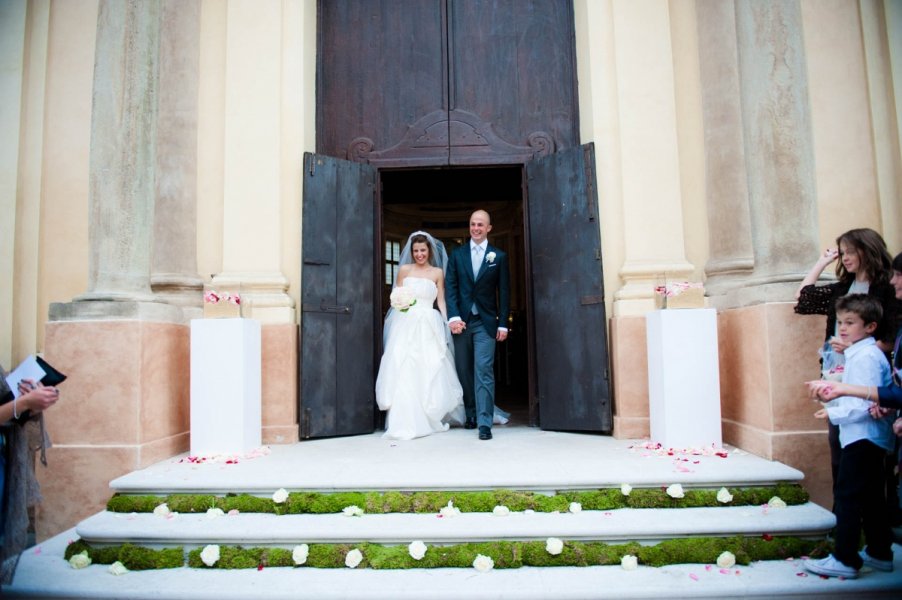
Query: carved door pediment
[{"x": 455, "y": 137}]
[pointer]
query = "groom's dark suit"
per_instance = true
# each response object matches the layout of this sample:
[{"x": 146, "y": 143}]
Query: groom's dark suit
[{"x": 474, "y": 349}]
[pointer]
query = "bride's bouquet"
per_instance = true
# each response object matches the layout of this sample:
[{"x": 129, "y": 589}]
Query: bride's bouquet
[{"x": 402, "y": 299}]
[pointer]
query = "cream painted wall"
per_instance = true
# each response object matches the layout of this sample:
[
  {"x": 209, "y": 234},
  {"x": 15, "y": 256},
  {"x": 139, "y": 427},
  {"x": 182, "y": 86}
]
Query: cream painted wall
[
  {"x": 690, "y": 135},
  {"x": 845, "y": 169},
  {"x": 892, "y": 203},
  {"x": 12, "y": 66},
  {"x": 67, "y": 139},
  {"x": 210, "y": 136},
  {"x": 598, "y": 107},
  {"x": 29, "y": 320}
]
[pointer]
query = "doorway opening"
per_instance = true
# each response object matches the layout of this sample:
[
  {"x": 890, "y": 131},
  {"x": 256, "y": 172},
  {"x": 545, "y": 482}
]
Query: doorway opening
[{"x": 440, "y": 201}]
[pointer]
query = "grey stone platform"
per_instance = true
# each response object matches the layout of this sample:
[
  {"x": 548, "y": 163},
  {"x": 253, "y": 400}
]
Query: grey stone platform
[{"x": 518, "y": 458}]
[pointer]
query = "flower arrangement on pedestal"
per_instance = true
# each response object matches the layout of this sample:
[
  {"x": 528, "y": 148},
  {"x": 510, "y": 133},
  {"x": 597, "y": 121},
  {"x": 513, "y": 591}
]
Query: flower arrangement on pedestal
[{"x": 221, "y": 304}]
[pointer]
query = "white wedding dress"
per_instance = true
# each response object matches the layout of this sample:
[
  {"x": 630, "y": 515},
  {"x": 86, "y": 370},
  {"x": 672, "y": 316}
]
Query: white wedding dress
[{"x": 417, "y": 381}]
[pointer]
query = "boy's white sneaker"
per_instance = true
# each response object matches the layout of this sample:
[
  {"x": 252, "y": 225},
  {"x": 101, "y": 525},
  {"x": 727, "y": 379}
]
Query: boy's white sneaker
[
  {"x": 875, "y": 563},
  {"x": 830, "y": 567}
]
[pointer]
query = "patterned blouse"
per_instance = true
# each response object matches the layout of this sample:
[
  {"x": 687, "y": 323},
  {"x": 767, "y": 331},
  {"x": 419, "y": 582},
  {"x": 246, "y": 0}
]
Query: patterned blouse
[{"x": 821, "y": 300}]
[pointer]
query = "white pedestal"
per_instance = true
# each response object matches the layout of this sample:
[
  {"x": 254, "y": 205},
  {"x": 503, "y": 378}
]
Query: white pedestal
[
  {"x": 225, "y": 386},
  {"x": 683, "y": 378}
]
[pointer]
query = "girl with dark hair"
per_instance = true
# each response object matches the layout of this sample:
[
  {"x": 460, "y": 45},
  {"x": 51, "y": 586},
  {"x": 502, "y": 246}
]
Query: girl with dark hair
[{"x": 863, "y": 267}]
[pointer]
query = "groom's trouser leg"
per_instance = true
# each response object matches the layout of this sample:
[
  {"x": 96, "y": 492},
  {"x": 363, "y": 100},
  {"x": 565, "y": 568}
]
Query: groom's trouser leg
[
  {"x": 463, "y": 361},
  {"x": 484, "y": 380}
]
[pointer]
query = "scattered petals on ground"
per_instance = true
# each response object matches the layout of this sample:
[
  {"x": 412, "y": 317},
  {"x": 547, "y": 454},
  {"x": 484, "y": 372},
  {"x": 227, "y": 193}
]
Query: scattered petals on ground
[
  {"x": 501, "y": 511},
  {"x": 229, "y": 459},
  {"x": 575, "y": 507},
  {"x": 352, "y": 511},
  {"x": 625, "y": 489},
  {"x": 280, "y": 496}
]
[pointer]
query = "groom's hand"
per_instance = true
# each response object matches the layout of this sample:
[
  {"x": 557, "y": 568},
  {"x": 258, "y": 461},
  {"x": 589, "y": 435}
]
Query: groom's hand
[
  {"x": 501, "y": 335},
  {"x": 457, "y": 327}
]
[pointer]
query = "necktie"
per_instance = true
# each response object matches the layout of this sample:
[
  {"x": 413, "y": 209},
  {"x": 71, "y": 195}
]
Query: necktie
[{"x": 477, "y": 260}]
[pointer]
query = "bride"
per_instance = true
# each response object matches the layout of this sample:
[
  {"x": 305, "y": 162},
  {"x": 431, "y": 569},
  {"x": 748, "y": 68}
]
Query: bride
[{"x": 417, "y": 382}]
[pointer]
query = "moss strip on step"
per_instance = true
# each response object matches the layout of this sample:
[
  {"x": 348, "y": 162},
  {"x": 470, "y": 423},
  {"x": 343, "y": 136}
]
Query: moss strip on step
[
  {"x": 506, "y": 555},
  {"x": 432, "y": 502}
]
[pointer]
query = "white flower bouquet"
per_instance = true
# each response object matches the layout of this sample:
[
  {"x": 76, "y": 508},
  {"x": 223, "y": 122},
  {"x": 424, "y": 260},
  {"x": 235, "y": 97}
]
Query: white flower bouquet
[{"x": 402, "y": 299}]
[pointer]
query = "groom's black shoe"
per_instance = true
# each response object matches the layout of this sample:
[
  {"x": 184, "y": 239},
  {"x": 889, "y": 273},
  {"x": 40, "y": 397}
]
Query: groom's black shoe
[
  {"x": 470, "y": 424},
  {"x": 485, "y": 433}
]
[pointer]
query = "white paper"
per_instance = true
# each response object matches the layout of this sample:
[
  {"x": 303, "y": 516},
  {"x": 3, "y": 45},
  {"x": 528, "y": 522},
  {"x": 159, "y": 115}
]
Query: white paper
[{"x": 28, "y": 369}]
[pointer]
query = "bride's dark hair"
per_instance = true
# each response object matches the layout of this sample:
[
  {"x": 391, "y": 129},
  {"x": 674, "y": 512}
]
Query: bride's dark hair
[{"x": 422, "y": 239}]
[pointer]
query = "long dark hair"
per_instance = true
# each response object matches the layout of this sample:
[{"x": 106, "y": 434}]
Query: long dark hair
[
  {"x": 874, "y": 259},
  {"x": 897, "y": 263}
]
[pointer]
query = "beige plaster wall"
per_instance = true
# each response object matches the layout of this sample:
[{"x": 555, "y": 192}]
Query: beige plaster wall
[
  {"x": 66, "y": 142},
  {"x": 845, "y": 167}
]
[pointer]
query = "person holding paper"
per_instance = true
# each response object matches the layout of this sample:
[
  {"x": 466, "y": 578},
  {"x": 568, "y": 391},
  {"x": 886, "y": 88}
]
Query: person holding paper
[{"x": 18, "y": 487}]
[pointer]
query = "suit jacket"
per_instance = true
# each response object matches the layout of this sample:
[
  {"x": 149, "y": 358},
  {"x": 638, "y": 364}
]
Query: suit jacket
[{"x": 489, "y": 290}]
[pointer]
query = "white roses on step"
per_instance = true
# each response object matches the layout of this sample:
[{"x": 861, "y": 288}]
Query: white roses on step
[{"x": 417, "y": 550}]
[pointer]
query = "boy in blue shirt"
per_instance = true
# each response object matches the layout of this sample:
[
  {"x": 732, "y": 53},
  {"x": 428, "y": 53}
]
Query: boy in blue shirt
[{"x": 860, "y": 497}]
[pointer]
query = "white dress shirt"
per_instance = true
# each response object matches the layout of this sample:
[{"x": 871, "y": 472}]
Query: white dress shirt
[{"x": 865, "y": 365}]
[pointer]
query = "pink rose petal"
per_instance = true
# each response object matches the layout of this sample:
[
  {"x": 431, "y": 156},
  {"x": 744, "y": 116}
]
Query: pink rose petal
[
  {"x": 708, "y": 567},
  {"x": 693, "y": 576},
  {"x": 725, "y": 571}
]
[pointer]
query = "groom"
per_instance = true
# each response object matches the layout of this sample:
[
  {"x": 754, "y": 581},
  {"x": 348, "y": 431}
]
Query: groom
[{"x": 478, "y": 297}]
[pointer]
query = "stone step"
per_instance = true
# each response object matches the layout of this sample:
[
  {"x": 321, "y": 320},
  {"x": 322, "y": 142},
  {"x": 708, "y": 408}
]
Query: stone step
[
  {"x": 42, "y": 574},
  {"x": 615, "y": 526},
  {"x": 518, "y": 458}
]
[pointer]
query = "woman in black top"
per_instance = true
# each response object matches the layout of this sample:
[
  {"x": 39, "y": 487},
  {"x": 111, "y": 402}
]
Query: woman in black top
[{"x": 864, "y": 267}]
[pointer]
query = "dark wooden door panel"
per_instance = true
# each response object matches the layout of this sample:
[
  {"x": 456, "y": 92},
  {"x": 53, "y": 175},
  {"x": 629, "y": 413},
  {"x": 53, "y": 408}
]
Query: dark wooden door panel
[
  {"x": 383, "y": 73},
  {"x": 337, "y": 283},
  {"x": 381, "y": 68},
  {"x": 568, "y": 293},
  {"x": 512, "y": 64}
]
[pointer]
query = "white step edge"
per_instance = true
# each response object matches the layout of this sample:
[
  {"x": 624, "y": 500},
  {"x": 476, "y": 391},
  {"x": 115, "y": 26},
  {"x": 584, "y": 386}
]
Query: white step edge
[
  {"x": 42, "y": 573},
  {"x": 250, "y": 529}
]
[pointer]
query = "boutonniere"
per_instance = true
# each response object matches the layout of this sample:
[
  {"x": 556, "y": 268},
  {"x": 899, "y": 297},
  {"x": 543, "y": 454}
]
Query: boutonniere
[{"x": 490, "y": 257}]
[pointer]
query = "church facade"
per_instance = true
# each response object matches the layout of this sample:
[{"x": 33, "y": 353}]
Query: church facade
[{"x": 156, "y": 147}]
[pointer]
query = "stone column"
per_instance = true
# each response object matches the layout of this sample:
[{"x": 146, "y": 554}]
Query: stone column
[
  {"x": 649, "y": 157},
  {"x": 767, "y": 351},
  {"x": 174, "y": 267},
  {"x": 125, "y": 403},
  {"x": 253, "y": 167},
  {"x": 123, "y": 150},
  {"x": 731, "y": 256},
  {"x": 779, "y": 151}
]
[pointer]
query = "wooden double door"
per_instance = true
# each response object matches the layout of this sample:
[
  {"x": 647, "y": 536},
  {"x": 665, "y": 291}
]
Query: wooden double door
[{"x": 428, "y": 84}]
